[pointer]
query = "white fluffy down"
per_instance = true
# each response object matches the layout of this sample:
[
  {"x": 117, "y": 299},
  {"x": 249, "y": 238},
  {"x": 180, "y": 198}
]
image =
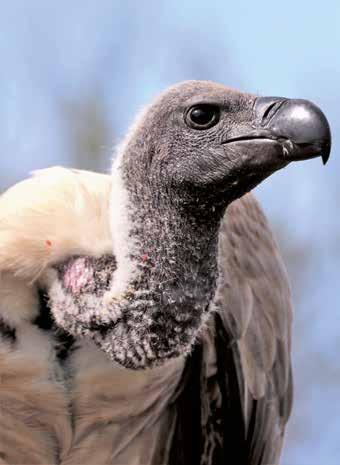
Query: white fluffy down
[{"x": 54, "y": 214}]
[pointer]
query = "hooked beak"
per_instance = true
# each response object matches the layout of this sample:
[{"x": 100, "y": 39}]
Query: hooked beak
[{"x": 299, "y": 126}]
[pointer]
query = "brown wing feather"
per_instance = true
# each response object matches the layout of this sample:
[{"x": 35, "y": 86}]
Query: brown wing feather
[
  {"x": 238, "y": 378},
  {"x": 254, "y": 304}
]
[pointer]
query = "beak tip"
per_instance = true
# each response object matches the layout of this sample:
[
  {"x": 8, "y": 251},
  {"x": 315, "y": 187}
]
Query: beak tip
[{"x": 325, "y": 155}]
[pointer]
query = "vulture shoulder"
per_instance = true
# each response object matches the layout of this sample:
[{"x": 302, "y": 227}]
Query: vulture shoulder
[
  {"x": 43, "y": 219},
  {"x": 54, "y": 214}
]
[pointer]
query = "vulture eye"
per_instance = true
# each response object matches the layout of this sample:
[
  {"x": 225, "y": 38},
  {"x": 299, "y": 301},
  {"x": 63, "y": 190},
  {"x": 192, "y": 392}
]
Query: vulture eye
[{"x": 202, "y": 116}]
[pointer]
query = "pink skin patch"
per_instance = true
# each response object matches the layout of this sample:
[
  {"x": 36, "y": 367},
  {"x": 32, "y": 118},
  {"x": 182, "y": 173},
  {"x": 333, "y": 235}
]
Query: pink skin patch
[{"x": 77, "y": 275}]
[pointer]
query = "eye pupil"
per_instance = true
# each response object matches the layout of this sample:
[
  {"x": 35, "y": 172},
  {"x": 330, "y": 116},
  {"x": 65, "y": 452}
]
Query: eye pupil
[
  {"x": 200, "y": 116},
  {"x": 203, "y": 116}
]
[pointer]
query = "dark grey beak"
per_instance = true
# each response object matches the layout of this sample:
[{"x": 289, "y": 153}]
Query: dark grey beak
[
  {"x": 298, "y": 125},
  {"x": 298, "y": 121}
]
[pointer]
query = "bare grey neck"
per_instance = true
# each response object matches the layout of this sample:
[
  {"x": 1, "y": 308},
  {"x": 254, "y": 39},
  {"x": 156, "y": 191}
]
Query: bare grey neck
[{"x": 166, "y": 271}]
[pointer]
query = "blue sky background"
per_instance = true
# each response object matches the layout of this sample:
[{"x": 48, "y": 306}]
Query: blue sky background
[{"x": 55, "y": 55}]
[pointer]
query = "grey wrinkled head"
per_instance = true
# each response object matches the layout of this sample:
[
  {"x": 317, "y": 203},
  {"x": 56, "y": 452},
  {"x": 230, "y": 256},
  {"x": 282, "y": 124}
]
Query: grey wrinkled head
[
  {"x": 179, "y": 142},
  {"x": 202, "y": 138}
]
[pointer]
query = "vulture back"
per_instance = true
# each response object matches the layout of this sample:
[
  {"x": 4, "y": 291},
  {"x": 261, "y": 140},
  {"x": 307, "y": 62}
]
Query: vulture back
[{"x": 234, "y": 395}]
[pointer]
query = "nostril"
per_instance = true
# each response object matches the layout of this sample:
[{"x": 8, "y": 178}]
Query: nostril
[
  {"x": 267, "y": 111},
  {"x": 271, "y": 110},
  {"x": 265, "y": 108}
]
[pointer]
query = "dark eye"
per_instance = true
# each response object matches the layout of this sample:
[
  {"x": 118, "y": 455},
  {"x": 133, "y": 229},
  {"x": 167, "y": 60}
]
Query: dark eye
[{"x": 202, "y": 116}]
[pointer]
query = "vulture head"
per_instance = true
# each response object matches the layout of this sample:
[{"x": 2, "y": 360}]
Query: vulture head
[
  {"x": 202, "y": 143},
  {"x": 197, "y": 148}
]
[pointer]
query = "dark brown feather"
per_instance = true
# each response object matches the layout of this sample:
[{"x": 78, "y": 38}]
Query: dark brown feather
[{"x": 245, "y": 375}]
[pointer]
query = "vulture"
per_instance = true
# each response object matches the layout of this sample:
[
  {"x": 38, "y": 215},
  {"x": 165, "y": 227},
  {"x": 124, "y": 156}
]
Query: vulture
[{"x": 145, "y": 315}]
